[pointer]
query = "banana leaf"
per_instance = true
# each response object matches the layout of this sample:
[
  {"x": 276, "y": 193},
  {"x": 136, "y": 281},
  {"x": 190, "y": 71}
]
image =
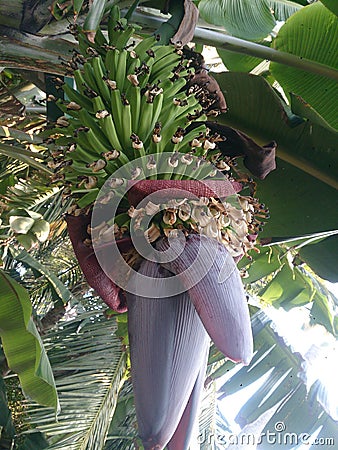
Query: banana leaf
[
  {"x": 331, "y": 5},
  {"x": 22, "y": 344},
  {"x": 311, "y": 33},
  {"x": 245, "y": 19}
]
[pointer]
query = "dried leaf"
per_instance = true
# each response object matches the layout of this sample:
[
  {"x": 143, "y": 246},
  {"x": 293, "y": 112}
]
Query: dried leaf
[
  {"x": 186, "y": 30},
  {"x": 260, "y": 160}
]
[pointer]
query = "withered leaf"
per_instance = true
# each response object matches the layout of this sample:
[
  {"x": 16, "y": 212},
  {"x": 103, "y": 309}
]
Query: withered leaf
[{"x": 186, "y": 30}]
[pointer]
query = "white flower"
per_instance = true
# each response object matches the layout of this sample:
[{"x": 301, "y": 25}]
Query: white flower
[
  {"x": 201, "y": 215},
  {"x": 135, "y": 173},
  {"x": 202, "y": 201},
  {"x": 134, "y": 213},
  {"x": 133, "y": 79},
  {"x": 209, "y": 145},
  {"x": 224, "y": 221},
  {"x": 173, "y": 203},
  {"x": 102, "y": 114},
  {"x": 115, "y": 182},
  {"x": 187, "y": 159},
  {"x": 184, "y": 211},
  {"x": 211, "y": 229},
  {"x": 196, "y": 143},
  {"x": 169, "y": 217},
  {"x": 151, "y": 164},
  {"x": 151, "y": 208},
  {"x": 152, "y": 233}
]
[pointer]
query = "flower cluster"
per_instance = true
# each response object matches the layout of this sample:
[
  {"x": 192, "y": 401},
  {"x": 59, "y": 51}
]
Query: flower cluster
[{"x": 232, "y": 222}]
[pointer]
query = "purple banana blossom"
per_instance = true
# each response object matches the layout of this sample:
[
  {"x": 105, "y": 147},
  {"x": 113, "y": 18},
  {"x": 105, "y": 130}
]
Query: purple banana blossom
[
  {"x": 182, "y": 436},
  {"x": 168, "y": 347},
  {"x": 210, "y": 275}
]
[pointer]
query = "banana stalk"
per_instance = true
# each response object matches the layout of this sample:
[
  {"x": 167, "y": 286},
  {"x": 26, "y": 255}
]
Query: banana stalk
[
  {"x": 214, "y": 284},
  {"x": 168, "y": 344}
]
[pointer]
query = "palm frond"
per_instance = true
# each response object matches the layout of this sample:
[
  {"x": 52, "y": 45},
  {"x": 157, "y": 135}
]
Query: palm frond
[
  {"x": 123, "y": 427},
  {"x": 207, "y": 420},
  {"x": 271, "y": 389},
  {"x": 89, "y": 368}
]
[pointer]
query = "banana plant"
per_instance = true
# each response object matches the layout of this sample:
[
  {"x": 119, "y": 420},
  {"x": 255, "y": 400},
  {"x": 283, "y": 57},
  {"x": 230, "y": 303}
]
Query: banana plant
[{"x": 303, "y": 168}]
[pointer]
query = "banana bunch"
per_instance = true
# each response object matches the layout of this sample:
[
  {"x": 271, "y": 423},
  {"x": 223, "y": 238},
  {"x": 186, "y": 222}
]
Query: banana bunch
[{"x": 130, "y": 101}]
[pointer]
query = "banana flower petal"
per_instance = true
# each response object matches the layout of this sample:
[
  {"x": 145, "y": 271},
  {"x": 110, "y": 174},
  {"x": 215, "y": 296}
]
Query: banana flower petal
[
  {"x": 182, "y": 436},
  {"x": 214, "y": 284},
  {"x": 168, "y": 344}
]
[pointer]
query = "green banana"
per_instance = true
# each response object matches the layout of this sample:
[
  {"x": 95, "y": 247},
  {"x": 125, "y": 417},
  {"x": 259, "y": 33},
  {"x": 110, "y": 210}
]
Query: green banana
[
  {"x": 110, "y": 63},
  {"x": 163, "y": 69},
  {"x": 89, "y": 77},
  {"x": 126, "y": 124},
  {"x": 81, "y": 155},
  {"x": 146, "y": 114},
  {"x": 172, "y": 88},
  {"x": 116, "y": 110},
  {"x": 120, "y": 76},
  {"x": 134, "y": 97},
  {"x": 104, "y": 90},
  {"x": 98, "y": 104},
  {"x": 96, "y": 142},
  {"x": 89, "y": 121},
  {"x": 143, "y": 46},
  {"x": 79, "y": 80},
  {"x": 108, "y": 127},
  {"x": 124, "y": 37},
  {"x": 157, "y": 106},
  {"x": 78, "y": 98},
  {"x": 113, "y": 19}
]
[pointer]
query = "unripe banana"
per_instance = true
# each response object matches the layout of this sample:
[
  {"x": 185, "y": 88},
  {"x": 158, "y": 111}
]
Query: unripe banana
[
  {"x": 78, "y": 98},
  {"x": 120, "y": 76},
  {"x": 108, "y": 126},
  {"x": 104, "y": 90}
]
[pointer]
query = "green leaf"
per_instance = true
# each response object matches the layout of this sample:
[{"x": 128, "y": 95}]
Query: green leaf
[
  {"x": 283, "y": 9},
  {"x": 90, "y": 369},
  {"x": 286, "y": 289},
  {"x": 311, "y": 33},
  {"x": 25, "y": 156},
  {"x": 322, "y": 312},
  {"x": 33, "y": 441},
  {"x": 247, "y": 19},
  {"x": 27, "y": 240},
  {"x": 29, "y": 261},
  {"x": 94, "y": 15},
  {"x": 267, "y": 262},
  {"x": 322, "y": 258},
  {"x": 256, "y": 109},
  {"x": 22, "y": 344},
  {"x": 332, "y": 5},
  {"x": 236, "y": 62},
  {"x": 77, "y": 5},
  {"x": 6, "y": 424},
  {"x": 301, "y": 108}
]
